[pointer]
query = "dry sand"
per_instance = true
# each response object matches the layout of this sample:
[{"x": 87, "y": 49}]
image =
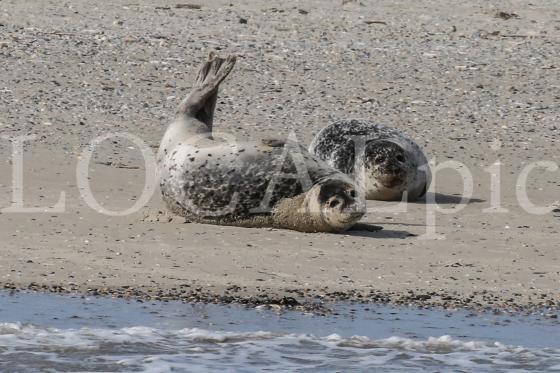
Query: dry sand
[{"x": 467, "y": 85}]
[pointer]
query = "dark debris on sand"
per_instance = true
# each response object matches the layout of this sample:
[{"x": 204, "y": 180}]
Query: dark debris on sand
[{"x": 313, "y": 301}]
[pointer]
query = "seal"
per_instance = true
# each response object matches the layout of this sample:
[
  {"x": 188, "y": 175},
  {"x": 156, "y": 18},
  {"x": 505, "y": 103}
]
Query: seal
[
  {"x": 210, "y": 178},
  {"x": 388, "y": 164}
]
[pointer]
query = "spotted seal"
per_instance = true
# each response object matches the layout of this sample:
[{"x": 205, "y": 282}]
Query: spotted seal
[
  {"x": 210, "y": 178},
  {"x": 390, "y": 165}
]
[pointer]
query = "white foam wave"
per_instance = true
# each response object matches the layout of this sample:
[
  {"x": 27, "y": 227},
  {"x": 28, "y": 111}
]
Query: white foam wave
[{"x": 160, "y": 350}]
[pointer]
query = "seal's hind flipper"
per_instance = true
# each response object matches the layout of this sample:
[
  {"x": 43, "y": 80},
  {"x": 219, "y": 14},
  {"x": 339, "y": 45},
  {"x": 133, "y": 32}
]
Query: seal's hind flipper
[{"x": 201, "y": 102}]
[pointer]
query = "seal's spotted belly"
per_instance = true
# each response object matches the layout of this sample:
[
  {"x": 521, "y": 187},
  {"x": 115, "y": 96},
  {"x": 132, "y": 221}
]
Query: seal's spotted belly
[{"x": 237, "y": 181}]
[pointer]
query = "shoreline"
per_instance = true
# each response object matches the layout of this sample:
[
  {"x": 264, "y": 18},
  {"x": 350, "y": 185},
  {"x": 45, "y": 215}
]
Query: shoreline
[
  {"x": 71, "y": 333},
  {"x": 317, "y": 303}
]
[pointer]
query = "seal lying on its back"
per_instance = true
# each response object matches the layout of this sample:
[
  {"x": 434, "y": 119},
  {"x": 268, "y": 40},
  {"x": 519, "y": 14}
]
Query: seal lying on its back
[
  {"x": 210, "y": 180},
  {"x": 388, "y": 163}
]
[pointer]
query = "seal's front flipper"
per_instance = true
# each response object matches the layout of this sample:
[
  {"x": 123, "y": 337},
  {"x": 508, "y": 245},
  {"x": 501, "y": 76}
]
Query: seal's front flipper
[
  {"x": 201, "y": 102},
  {"x": 364, "y": 227},
  {"x": 424, "y": 191}
]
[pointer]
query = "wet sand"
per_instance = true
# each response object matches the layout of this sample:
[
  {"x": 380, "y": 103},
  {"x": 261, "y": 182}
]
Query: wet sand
[{"x": 467, "y": 84}]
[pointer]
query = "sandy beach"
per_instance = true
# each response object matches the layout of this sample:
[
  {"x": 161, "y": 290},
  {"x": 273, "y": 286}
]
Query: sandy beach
[{"x": 474, "y": 84}]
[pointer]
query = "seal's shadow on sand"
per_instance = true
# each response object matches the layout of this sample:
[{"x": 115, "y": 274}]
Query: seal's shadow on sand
[
  {"x": 446, "y": 199},
  {"x": 376, "y": 231}
]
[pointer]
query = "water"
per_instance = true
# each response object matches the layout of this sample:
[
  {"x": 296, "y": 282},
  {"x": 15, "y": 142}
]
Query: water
[{"x": 59, "y": 333}]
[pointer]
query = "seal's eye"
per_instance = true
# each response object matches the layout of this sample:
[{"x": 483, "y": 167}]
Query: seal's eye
[
  {"x": 334, "y": 203},
  {"x": 353, "y": 193},
  {"x": 400, "y": 158}
]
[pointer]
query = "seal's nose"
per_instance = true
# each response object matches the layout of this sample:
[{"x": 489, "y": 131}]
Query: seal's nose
[
  {"x": 334, "y": 202},
  {"x": 397, "y": 166}
]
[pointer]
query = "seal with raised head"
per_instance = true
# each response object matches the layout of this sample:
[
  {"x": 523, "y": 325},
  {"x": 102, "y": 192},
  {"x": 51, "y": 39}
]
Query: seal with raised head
[
  {"x": 210, "y": 178},
  {"x": 388, "y": 164}
]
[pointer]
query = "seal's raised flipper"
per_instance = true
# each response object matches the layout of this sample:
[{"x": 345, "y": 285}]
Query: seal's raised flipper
[{"x": 201, "y": 102}]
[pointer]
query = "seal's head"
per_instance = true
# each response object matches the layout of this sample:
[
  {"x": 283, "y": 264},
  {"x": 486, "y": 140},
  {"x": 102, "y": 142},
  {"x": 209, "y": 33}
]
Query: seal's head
[
  {"x": 336, "y": 202},
  {"x": 388, "y": 169}
]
